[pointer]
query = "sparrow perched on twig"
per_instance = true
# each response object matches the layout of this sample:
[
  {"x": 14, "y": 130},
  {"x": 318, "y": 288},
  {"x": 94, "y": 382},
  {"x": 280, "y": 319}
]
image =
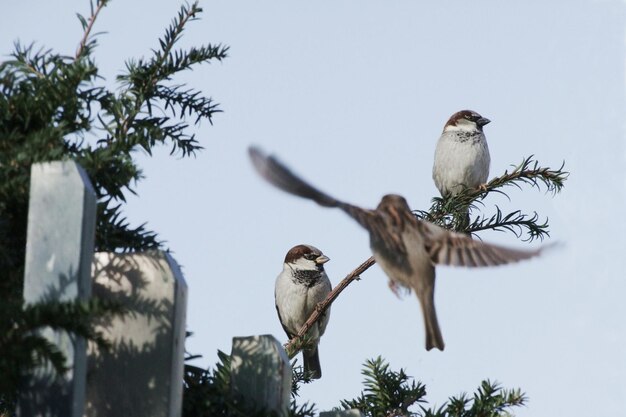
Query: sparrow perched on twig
[
  {"x": 462, "y": 155},
  {"x": 300, "y": 286},
  {"x": 407, "y": 249}
]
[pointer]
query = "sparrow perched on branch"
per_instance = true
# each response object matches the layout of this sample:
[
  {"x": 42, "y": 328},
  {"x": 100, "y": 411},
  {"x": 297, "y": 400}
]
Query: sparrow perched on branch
[
  {"x": 462, "y": 155},
  {"x": 300, "y": 286},
  {"x": 407, "y": 249}
]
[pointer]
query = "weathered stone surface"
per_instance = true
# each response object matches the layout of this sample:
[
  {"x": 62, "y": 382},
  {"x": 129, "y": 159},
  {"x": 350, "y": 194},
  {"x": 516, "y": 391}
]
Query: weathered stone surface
[
  {"x": 59, "y": 250},
  {"x": 142, "y": 375},
  {"x": 261, "y": 372},
  {"x": 342, "y": 413}
]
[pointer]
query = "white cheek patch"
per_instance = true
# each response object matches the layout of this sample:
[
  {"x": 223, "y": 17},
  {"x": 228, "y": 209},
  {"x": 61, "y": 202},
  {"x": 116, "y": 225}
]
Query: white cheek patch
[
  {"x": 305, "y": 264},
  {"x": 463, "y": 125}
]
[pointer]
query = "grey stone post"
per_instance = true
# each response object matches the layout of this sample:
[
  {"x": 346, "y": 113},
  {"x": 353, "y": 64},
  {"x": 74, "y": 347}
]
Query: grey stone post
[
  {"x": 343, "y": 413},
  {"x": 142, "y": 375},
  {"x": 59, "y": 250},
  {"x": 261, "y": 372}
]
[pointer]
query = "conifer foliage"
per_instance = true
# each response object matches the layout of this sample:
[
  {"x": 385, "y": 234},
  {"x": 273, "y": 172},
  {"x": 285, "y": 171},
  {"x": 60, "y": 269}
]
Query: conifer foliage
[
  {"x": 390, "y": 393},
  {"x": 55, "y": 106}
]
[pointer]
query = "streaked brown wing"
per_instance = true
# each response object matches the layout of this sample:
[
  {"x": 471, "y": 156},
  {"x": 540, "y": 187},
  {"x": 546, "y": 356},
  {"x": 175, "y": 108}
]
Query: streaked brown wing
[
  {"x": 280, "y": 176},
  {"x": 456, "y": 249},
  {"x": 383, "y": 238}
]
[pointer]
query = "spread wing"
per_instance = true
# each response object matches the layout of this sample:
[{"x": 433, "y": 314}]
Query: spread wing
[
  {"x": 280, "y": 176},
  {"x": 455, "y": 249},
  {"x": 380, "y": 234}
]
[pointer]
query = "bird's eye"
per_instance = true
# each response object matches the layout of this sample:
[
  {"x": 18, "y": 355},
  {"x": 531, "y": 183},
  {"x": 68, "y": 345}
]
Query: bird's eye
[{"x": 310, "y": 256}]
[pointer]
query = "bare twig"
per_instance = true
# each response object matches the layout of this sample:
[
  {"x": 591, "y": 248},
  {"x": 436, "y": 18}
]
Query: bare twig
[{"x": 295, "y": 344}]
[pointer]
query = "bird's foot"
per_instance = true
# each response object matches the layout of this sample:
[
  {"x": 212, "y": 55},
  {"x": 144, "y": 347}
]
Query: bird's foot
[{"x": 395, "y": 288}]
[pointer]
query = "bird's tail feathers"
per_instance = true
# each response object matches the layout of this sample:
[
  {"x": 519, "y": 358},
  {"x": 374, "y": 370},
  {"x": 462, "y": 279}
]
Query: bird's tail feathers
[
  {"x": 311, "y": 361},
  {"x": 434, "y": 339}
]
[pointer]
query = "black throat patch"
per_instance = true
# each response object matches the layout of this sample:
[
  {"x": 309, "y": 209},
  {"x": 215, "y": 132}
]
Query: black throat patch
[
  {"x": 307, "y": 277},
  {"x": 472, "y": 137}
]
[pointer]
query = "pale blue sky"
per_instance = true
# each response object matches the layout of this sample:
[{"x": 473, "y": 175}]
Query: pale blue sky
[{"x": 353, "y": 96}]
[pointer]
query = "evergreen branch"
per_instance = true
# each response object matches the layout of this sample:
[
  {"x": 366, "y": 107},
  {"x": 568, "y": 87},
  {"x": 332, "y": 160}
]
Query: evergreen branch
[
  {"x": 297, "y": 342},
  {"x": 298, "y": 376},
  {"x": 304, "y": 410},
  {"x": 387, "y": 392},
  {"x": 189, "y": 102},
  {"x": 489, "y": 400},
  {"x": 143, "y": 78},
  {"x": 392, "y": 393},
  {"x": 25, "y": 61},
  {"x": 71, "y": 316},
  {"x": 142, "y": 81},
  {"x": 528, "y": 172},
  {"x": 25, "y": 348},
  {"x": 175, "y": 30},
  {"x": 451, "y": 212},
  {"x": 43, "y": 351},
  {"x": 87, "y": 26},
  {"x": 515, "y": 222},
  {"x": 182, "y": 60},
  {"x": 116, "y": 235}
]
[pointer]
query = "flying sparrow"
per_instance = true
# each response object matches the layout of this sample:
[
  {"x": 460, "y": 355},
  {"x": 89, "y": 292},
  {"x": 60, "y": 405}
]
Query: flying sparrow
[
  {"x": 462, "y": 155},
  {"x": 300, "y": 286},
  {"x": 406, "y": 248}
]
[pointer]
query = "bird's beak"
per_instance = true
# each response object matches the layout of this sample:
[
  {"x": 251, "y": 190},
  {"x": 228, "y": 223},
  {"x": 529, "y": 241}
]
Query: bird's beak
[
  {"x": 322, "y": 259},
  {"x": 482, "y": 121}
]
